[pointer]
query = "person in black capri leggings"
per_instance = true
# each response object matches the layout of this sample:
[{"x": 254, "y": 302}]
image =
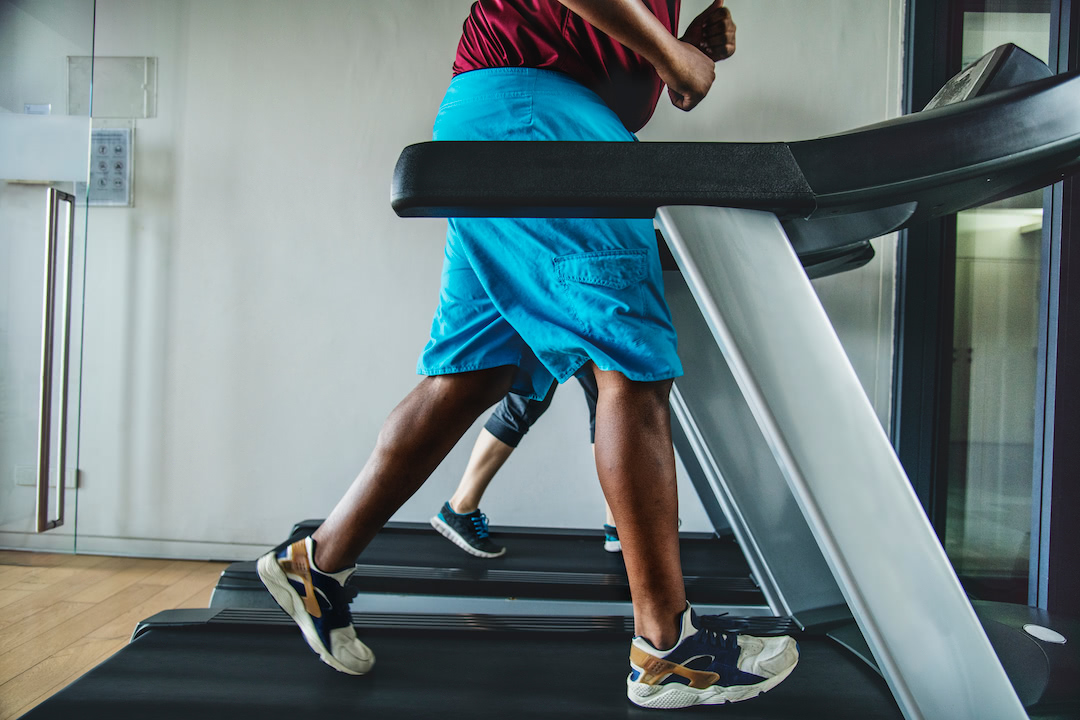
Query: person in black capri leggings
[{"x": 460, "y": 519}]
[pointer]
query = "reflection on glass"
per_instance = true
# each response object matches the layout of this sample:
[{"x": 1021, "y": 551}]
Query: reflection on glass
[
  {"x": 995, "y": 339},
  {"x": 45, "y": 147},
  {"x": 1024, "y": 23}
]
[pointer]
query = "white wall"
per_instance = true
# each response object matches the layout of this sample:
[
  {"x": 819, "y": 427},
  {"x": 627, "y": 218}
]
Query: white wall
[{"x": 254, "y": 318}]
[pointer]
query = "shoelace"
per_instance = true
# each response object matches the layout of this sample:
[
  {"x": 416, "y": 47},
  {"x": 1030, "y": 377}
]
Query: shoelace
[
  {"x": 723, "y": 623},
  {"x": 718, "y": 630},
  {"x": 480, "y": 525},
  {"x": 341, "y": 613}
]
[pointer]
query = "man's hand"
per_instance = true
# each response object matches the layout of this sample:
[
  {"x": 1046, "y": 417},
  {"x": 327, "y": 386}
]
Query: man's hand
[
  {"x": 688, "y": 73},
  {"x": 713, "y": 32}
]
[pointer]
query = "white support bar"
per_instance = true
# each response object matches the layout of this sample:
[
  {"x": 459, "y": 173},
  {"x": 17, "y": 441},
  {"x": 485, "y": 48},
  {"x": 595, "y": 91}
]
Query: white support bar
[{"x": 838, "y": 464}]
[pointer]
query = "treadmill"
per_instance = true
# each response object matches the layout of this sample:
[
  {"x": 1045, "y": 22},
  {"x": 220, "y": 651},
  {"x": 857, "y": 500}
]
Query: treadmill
[
  {"x": 785, "y": 443},
  {"x": 548, "y": 571}
]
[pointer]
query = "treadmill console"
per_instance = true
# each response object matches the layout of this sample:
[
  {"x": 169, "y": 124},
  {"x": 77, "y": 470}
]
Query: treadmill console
[{"x": 1004, "y": 67}]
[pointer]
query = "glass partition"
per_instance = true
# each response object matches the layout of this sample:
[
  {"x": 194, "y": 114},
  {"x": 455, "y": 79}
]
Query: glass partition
[
  {"x": 44, "y": 167},
  {"x": 995, "y": 339}
]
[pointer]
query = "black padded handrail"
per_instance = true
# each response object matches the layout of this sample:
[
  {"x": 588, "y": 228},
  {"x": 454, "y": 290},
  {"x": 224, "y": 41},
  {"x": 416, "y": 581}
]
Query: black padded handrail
[
  {"x": 1000, "y": 141},
  {"x": 593, "y": 179},
  {"x": 945, "y": 159}
]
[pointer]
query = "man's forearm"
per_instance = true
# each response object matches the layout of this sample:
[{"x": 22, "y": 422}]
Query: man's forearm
[
  {"x": 630, "y": 23},
  {"x": 687, "y": 72}
]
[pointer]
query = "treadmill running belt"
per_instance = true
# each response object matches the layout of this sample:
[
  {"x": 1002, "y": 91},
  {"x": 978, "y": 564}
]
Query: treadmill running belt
[
  {"x": 220, "y": 672},
  {"x": 413, "y": 559},
  {"x": 525, "y": 551}
]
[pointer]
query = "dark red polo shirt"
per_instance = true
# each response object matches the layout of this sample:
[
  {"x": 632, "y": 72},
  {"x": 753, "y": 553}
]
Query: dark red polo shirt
[{"x": 545, "y": 34}]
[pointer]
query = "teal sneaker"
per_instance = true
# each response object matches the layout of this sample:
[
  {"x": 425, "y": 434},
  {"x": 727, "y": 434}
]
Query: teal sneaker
[
  {"x": 469, "y": 531},
  {"x": 611, "y": 539}
]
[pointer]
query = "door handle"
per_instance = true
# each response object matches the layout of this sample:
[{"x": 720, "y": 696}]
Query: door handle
[{"x": 48, "y": 336}]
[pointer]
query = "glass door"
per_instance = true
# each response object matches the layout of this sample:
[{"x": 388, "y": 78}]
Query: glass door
[
  {"x": 995, "y": 345},
  {"x": 45, "y": 92}
]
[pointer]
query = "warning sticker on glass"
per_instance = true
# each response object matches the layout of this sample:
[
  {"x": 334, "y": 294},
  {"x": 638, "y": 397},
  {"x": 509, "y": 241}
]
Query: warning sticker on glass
[{"x": 110, "y": 167}]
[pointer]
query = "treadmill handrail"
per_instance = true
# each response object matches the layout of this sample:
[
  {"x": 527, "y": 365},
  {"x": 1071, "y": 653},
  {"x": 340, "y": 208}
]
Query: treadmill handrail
[
  {"x": 593, "y": 179},
  {"x": 1021, "y": 131},
  {"x": 1009, "y": 127}
]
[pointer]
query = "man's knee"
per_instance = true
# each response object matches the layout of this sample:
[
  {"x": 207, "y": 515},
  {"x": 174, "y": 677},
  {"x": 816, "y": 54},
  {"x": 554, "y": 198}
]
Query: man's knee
[
  {"x": 477, "y": 390},
  {"x": 447, "y": 399},
  {"x": 613, "y": 386}
]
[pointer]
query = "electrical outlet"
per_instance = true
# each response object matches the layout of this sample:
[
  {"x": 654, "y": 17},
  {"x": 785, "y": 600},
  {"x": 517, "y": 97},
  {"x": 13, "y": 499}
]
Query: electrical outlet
[{"x": 26, "y": 476}]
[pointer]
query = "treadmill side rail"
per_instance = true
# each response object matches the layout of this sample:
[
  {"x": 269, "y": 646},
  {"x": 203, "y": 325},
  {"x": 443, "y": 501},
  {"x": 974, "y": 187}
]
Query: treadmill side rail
[
  {"x": 838, "y": 464},
  {"x": 715, "y": 430}
]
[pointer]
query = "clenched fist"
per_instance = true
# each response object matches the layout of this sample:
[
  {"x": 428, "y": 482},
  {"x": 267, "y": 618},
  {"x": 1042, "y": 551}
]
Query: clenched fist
[{"x": 713, "y": 32}]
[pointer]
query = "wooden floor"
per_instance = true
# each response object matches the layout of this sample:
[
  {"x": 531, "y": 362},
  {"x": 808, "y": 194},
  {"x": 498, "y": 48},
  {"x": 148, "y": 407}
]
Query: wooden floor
[{"x": 60, "y": 615}]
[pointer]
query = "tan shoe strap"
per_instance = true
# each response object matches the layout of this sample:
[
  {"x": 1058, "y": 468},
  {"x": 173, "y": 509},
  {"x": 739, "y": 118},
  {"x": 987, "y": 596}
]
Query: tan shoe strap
[{"x": 655, "y": 669}]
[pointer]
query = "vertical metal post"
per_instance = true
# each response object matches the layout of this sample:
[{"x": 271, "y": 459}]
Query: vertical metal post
[
  {"x": 65, "y": 357},
  {"x": 925, "y": 281},
  {"x": 48, "y": 333},
  {"x": 1053, "y": 583}
]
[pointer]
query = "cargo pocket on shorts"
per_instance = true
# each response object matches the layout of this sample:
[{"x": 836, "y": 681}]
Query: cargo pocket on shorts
[{"x": 604, "y": 292}]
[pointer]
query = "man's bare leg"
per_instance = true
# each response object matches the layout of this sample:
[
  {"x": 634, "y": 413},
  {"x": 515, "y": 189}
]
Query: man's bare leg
[
  {"x": 609, "y": 519},
  {"x": 487, "y": 458},
  {"x": 416, "y": 437},
  {"x": 636, "y": 465}
]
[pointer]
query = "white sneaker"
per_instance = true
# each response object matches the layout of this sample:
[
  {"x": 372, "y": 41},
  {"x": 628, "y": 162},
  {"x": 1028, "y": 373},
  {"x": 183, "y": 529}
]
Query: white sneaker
[
  {"x": 319, "y": 603},
  {"x": 708, "y": 666}
]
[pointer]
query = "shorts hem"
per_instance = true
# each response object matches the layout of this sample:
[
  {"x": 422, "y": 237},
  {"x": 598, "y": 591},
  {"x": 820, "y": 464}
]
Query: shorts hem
[
  {"x": 669, "y": 374},
  {"x": 455, "y": 369}
]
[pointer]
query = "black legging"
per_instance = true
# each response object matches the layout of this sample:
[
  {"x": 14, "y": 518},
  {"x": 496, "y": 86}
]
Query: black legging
[{"x": 515, "y": 414}]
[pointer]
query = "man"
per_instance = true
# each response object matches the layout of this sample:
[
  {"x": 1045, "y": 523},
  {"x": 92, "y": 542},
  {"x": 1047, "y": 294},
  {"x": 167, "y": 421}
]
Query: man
[{"x": 525, "y": 301}]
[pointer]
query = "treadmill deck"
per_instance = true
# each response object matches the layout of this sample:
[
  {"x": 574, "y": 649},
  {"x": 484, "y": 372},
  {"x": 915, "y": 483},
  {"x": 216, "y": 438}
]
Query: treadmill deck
[{"x": 221, "y": 669}]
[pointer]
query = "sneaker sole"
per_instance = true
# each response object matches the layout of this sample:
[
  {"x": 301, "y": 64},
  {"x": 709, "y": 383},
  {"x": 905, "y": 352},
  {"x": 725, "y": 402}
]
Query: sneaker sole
[
  {"x": 273, "y": 577},
  {"x": 613, "y": 546},
  {"x": 676, "y": 695},
  {"x": 453, "y": 536}
]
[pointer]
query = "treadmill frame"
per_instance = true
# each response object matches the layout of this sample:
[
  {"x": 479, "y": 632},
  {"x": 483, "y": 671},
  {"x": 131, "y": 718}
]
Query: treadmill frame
[{"x": 837, "y": 468}]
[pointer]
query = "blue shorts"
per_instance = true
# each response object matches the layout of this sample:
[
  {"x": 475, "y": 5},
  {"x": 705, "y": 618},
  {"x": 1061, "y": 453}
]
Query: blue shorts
[{"x": 545, "y": 295}]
